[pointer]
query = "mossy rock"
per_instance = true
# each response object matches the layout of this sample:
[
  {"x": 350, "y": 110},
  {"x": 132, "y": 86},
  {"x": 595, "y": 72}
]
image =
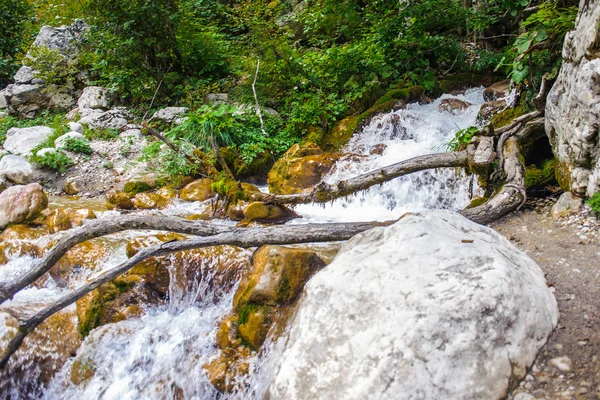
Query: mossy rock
[
  {"x": 118, "y": 200},
  {"x": 477, "y": 201},
  {"x": 253, "y": 325},
  {"x": 460, "y": 81},
  {"x": 149, "y": 201},
  {"x": 20, "y": 232},
  {"x": 563, "y": 175},
  {"x": 134, "y": 187},
  {"x": 506, "y": 116},
  {"x": 268, "y": 213},
  {"x": 82, "y": 371},
  {"x": 258, "y": 168},
  {"x": 199, "y": 190},
  {"x": 91, "y": 254},
  {"x": 537, "y": 177},
  {"x": 11, "y": 249},
  {"x": 60, "y": 219}
]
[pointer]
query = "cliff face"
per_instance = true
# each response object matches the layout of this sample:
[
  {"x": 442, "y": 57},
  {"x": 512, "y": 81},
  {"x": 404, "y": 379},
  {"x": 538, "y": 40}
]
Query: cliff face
[{"x": 573, "y": 105}]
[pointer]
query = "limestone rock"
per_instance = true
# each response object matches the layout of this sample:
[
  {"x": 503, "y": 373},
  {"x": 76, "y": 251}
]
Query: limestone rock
[
  {"x": 95, "y": 97},
  {"x": 300, "y": 168},
  {"x": 118, "y": 200},
  {"x": 16, "y": 169},
  {"x": 45, "y": 150},
  {"x": 60, "y": 142},
  {"x": 498, "y": 90},
  {"x": 566, "y": 204},
  {"x": 199, "y": 190},
  {"x": 116, "y": 118},
  {"x": 21, "y": 204},
  {"x": 26, "y": 100},
  {"x": 21, "y": 141},
  {"x": 432, "y": 307},
  {"x": 170, "y": 114},
  {"x": 24, "y": 75},
  {"x": 573, "y": 106},
  {"x": 75, "y": 127}
]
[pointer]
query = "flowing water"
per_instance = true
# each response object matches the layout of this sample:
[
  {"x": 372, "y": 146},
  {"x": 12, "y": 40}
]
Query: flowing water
[{"x": 161, "y": 353}]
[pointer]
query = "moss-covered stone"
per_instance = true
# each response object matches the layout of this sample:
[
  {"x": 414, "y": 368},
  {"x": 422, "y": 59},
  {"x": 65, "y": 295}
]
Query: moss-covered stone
[
  {"x": 563, "y": 175},
  {"x": 200, "y": 190},
  {"x": 91, "y": 254},
  {"x": 300, "y": 168},
  {"x": 20, "y": 232},
  {"x": 506, "y": 116},
  {"x": 167, "y": 193},
  {"x": 82, "y": 371},
  {"x": 258, "y": 168},
  {"x": 134, "y": 187},
  {"x": 253, "y": 325},
  {"x": 460, "y": 81},
  {"x": 536, "y": 177},
  {"x": 118, "y": 200},
  {"x": 477, "y": 201},
  {"x": 60, "y": 219},
  {"x": 268, "y": 213},
  {"x": 12, "y": 249},
  {"x": 149, "y": 201}
]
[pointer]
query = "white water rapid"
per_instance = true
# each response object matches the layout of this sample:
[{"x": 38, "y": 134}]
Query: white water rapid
[{"x": 161, "y": 354}]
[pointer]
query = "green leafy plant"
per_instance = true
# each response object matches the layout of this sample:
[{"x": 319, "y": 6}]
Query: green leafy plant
[
  {"x": 56, "y": 161},
  {"x": 77, "y": 145},
  {"x": 462, "y": 138},
  {"x": 594, "y": 203},
  {"x": 15, "y": 16},
  {"x": 100, "y": 134}
]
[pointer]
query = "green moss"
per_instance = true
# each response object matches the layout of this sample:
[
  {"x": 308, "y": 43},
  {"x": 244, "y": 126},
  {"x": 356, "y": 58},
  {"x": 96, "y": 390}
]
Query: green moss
[
  {"x": 284, "y": 289},
  {"x": 505, "y": 117},
  {"x": 540, "y": 176},
  {"x": 315, "y": 135},
  {"x": 407, "y": 94},
  {"x": 594, "y": 203},
  {"x": 134, "y": 187},
  {"x": 563, "y": 176},
  {"x": 340, "y": 134},
  {"x": 230, "y": 189},
  {"x": 458, "y": 81},
  {"x": 477, "y": 201},
  {"x": 253, "y": 325}
]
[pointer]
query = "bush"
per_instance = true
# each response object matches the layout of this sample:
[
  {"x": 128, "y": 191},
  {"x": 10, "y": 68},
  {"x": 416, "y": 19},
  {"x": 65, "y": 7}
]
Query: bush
[
  {"x": 101, "y": 134},
  {"x": 56, "y": 161},
  {"x": 76, "y": 145},
  {"x": 15, "y": 15},
  {"x": 594, "y": 203}
]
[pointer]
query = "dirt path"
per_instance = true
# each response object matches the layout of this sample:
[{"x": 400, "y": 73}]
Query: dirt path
[{"x": 569, "y": 255}]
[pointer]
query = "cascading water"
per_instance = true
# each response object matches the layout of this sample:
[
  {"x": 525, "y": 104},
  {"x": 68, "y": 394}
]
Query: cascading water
[{"x": 161, "y": 354}]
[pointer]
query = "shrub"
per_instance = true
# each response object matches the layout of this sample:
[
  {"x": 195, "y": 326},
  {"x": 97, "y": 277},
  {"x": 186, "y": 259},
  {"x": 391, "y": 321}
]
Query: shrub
[
  {"x": 76, "y": 145},
  {"x": 56, "y": 161},
  {"x": 594, "y": 203}
]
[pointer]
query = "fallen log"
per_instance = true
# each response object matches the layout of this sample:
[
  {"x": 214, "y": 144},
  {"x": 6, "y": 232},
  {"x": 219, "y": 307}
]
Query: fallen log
[{"x": 252, "y": 237}]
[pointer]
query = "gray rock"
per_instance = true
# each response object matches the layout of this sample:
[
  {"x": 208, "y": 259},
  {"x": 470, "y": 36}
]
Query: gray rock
[
  {"x": 95, "y": 97},
  {"x": 75, "y": 127},
  {"x": 116, "y": 118},
  {"x": 170, "y": 114},
  {"x": 72, "y": 115},
  {"x": 24, "y": 75},
  {"x": 3, "y": 100},
  {"x": 432, "y": 307},
  {"x": 573, "y": 105},
  {"x": 566, "y": 204},
  {"x": 25, "y": 100},
  {"x": 21, "y": 141},
  {"x": 132, "y": 134},
  {"x": 59, "y": 143},
  {"x": 217, "y": 98},
  {"x": 46, "y": 150},
  {"x": 523, "y": 396},
  {"x": 563, "y": 364},
  {"x": 21, "y": 203},
  {"x": 16, "y": 169}
]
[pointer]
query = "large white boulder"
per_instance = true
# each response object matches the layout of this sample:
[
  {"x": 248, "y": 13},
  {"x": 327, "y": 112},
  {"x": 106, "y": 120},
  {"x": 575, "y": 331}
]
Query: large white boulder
[
  {"x": 432, "y": 307},
  {"x": 573, "y": 105},
  {"x": 21, "y": 203},
  {"x": 21, "y": 141},
  {"x": 61, "y": 142},
  {"x": 95, "y": 97},
  {"x": 170, "y": 114},
  {"x": 16, "y": 169},
  {"x": 116, "y": 118}
]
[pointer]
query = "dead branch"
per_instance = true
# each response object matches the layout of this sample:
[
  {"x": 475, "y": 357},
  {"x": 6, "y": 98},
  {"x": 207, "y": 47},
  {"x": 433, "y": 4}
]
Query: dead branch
[
  {"x": 258, "y": 112},
  {"x": 102, "y": 227},
  {"x": 324, "y": 192},
  {"x": 240, "y": 237}
]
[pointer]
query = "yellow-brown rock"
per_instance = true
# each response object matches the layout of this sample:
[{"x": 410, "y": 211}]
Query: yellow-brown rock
[
  {"x": 199, "y": 190},
  {"x": 223, "y": 370},
  {"x": 60, "y": 219},
  {"x": 23, "y": 232},
  {"x": 90, "y": 254},
  {"x": 71, "y": 188},
  {"x": 12, "y": 249},
  {"x": 497, "y": 91},
  {"x": 227, "y": 333},
  {"x": 235, "y": 211},
  {"x": 268, "y": 213},
  {"x": 167, "y": 192},
  {"x": 253, "y": 325},
  {"x": 149, "y": 201},
  {"x": 300, "y": 168},
  {"x": 278, "y": 276},
  {"x": 118, "y": 200}
]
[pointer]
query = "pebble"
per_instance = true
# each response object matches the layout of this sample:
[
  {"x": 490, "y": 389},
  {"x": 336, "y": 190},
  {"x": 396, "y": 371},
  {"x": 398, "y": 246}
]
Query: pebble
[
  {"x": 523, "y": 396},
  {"x": 563, "y": 363}
]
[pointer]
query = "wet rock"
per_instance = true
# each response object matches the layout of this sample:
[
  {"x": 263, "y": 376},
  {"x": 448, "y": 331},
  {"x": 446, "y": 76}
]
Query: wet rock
[
  {"x": 223, "y": 370},
  {"x": 21, "y": 141},
  {"x": 11, "y": 249},
  {"x": 167, "y": 193},
  {"x": 235, "y": 211},
  {"x": 149, "y": 201},
  {"x": 21, "y": 204},
  {"x": 22, "y": 232},
  {"x": 70, "y": 187},
  {"x": 91, "y": 255},
  {"x": 268, "y": 213},
  {"x": 378, "y": 149},
  {"x": 452, "y": 104},
  {"x": 278, "y": 276},
  {"x": 170, "y": 114},
  {"x": 118, "y": 200},
  {"x": 199, "y": 190},
  {"x": 61, "y": 219},
  {"x": 498, "y": 90},
  {"x": 406, "y": 304},
  {"x": 95, "y": 97},
  {"x": 300, "y": 168},
  {"x": 489, "y": 109},
  {"x": 566, "y": 204},
  {"x": 16, "y": 169},
  {"x": 563, "y": 364},
  {"x": 253, "y": 325}
]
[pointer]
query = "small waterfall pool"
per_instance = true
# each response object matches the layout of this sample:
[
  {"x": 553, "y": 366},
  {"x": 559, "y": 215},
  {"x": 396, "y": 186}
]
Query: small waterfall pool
[{"x": 161, "y": 354}]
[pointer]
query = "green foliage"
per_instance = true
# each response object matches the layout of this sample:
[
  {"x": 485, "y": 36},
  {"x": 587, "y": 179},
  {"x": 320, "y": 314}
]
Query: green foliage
[
  {"x": 76, "y": 145},
  {"x": 53, "y": 67},
  {"x": 462, "y": 138},
  {"x": 56, "y": 161},
  {"x": 167, "y": 162},
  {"x": 540, "y": 175},
  {"x": 134, "y": 187},
  {"x": 53, "y": 120},
  {"x": 594, "y": 203},
  {"x": 15, "y": 16},
  {"x": 100, "y": 134}
]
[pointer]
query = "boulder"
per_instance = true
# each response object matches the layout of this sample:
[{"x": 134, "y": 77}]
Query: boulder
[
  {"x": 116, "y": 118},
  {"x": 489, "y": 109},
  {"x": 95, "y": 97},
  {"x": 199, "y": 190},
  {"x": 149, "y": 201},
  {"x": 21, "y": 204},
  {"x": 169, "y": 114},
  {"x": 497, "y": 91},
  {"x": 118, "y": 200},
  {"x": 450, "y": 105},
  {"x": 573, "y": 106},
  {"x": 432, "y": 307},
  {"x": 21, "y": 141},
  {"x": 71, "y": 187},
  {"x": 300, "y": 168},
  {"x": 61, "y": 219},
  {"x": 268, "y": 213},
  {"x": 24, "y": 75},
  {"x": 16, "y": 169},
  {"x": 75, "y": 127},
  {"x": 26, "y": 100},
  {"x": 566, "y": 204},
  {"x": 45, "y": 150},
  {"x": 60, "y": 142}
]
